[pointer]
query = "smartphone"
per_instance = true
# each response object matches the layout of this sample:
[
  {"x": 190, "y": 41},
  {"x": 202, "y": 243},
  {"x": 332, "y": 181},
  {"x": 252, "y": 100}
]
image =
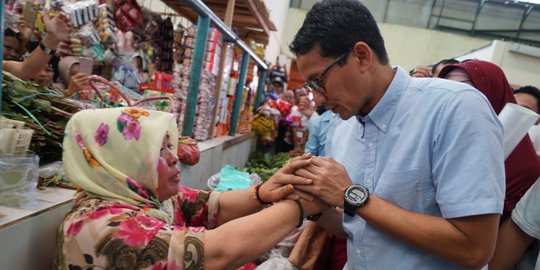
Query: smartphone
[
  {"x": 86, "y": 65},
  {"x": 30, "y": 13}
]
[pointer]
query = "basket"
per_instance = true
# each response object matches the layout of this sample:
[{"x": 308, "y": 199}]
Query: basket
[{"x": 130, "y": 102}]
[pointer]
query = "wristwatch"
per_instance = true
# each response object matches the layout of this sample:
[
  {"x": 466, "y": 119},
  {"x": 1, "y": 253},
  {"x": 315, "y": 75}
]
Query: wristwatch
[
  {"x": 354, "y": 197},
  {"x": 46, "y": 50}
]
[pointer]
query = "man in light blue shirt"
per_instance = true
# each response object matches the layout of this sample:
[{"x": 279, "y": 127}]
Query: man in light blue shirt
[
  {"x": 321, "y": 131},
  {"x": 417, "y": 167}
]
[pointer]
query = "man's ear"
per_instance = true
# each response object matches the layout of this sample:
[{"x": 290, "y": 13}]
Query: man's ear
[{"x": 363, "y": 55}]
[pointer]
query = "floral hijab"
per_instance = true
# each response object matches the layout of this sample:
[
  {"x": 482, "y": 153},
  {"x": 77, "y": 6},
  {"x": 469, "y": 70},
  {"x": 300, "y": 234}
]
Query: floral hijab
[{"x": 113, "y": 154}]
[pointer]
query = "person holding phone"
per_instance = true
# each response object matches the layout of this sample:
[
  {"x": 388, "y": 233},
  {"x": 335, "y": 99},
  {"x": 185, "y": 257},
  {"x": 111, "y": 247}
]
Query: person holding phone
[{"x": 74, "y": 75}]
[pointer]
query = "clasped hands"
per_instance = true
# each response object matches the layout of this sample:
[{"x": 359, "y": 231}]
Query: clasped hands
[{"x": 318, "y": 182}]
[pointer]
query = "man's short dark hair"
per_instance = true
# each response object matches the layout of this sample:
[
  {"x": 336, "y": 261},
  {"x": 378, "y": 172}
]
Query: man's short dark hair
[
  {"x": 336, "y": 25},
  {"x": 450, "y": 61},
  {"x": 531, "y": 90},
  {"x": 8, "y": 32}
]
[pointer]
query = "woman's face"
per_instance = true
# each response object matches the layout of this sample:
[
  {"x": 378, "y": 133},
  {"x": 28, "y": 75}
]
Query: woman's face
[
  {"x": 45, "y": 76},
  {"x": 74, "y": 69},
  {"x": 168, "y": 172}
]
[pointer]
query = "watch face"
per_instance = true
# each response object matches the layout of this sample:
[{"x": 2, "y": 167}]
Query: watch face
[{"x": 356, "y": 195}]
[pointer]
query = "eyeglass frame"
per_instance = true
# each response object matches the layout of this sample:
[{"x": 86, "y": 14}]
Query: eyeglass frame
[{"x": 316, "y": 84}]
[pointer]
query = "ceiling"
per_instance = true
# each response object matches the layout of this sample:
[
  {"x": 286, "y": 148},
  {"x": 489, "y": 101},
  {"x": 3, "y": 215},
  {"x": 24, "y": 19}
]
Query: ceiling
[{"x": 251, "y": 19}]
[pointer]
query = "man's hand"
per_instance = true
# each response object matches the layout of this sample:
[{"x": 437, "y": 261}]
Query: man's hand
[
  {"x": 280, "y": 185},
  {"x": 330, "y": 179}
]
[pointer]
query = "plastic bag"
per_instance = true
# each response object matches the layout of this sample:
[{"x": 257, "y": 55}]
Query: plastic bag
[
  {"x": 18, "y": 179},
  {"x": 276, "y": 261},
  {"x": 232, "y": 179},
  {"x": 188, "y": 151}
]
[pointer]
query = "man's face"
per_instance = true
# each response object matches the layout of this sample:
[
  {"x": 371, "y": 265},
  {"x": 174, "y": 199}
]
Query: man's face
[
  {"x": 527, "y": 101},
  {"x": 12, "y": 49},
  {"x": 343, "y": 84}
]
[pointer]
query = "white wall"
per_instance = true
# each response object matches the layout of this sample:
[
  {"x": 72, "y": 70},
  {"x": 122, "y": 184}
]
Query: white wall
[
  {"x": 278, "y": 15},
  {"x": 406, "y": 46},
  {"x": 410, "y": 46},
  {"x": 520, "y": 69}
]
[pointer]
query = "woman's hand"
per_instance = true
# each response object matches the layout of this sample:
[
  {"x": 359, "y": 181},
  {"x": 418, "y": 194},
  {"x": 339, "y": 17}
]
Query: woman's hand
[
  {"x": 280, "y": 185},
  {"x": 79, "y": 81}
]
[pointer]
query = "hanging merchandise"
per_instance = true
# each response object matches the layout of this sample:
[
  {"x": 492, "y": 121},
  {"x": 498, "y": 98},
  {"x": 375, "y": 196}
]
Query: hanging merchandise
[
  {"x": 213, "y": 51},
  {"x": 221, "y": 127},
  {"x": 81, "y": 12},
  {"x": 205, "y": 106},
  {"x": 188, "y": 151},
  {"x": 166, "y": 40},
  {"x": 105, "y": 25},
  {"x": 126, "y": 74},
  {"x": 127, "y": 14}
]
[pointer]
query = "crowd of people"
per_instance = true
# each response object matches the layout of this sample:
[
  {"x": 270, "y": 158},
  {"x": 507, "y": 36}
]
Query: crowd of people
[{"x": 407, "y": 169}]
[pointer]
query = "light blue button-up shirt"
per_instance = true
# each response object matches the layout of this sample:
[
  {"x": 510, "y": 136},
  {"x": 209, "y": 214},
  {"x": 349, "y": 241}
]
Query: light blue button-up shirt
[
  {"x": 320, "y": 133},
  {"x": 431, "y": 146}
]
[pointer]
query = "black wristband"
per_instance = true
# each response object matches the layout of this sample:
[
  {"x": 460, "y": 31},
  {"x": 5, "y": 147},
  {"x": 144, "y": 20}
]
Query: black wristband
[
  {"x": 301, "y": 208},
  {"x": 46, "y": 50}
]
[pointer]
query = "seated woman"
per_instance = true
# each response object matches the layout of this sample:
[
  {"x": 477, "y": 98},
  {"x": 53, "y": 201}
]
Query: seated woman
[
  {"x": 131, "y": 213},
  {"x": 522, "y": 167}
]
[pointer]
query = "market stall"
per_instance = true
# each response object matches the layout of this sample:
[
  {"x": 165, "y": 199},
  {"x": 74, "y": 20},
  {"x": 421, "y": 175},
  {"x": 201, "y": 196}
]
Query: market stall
[{"x": 205, "y": 74}]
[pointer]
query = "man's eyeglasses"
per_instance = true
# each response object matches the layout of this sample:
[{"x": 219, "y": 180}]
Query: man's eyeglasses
[{"x": 316, "y": 84}]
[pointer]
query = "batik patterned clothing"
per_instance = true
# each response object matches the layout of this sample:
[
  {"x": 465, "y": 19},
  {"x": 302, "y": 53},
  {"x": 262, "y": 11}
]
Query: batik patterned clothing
[
  {"x": 118, "y": 221},
  {"x": 102, "y": 234}
]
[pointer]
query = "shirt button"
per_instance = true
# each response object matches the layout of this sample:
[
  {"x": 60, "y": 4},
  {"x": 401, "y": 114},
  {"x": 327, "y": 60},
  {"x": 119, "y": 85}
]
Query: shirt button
[
  {"x": 358, "y": 252},
  {"x": 370, "y": 145},
  {"x": 383, "y": 126}
]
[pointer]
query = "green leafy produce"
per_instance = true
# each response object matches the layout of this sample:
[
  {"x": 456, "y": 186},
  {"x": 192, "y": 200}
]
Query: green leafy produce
[
  {"x": 265, "y": 164},
  {"x": 43, "y": 110}
]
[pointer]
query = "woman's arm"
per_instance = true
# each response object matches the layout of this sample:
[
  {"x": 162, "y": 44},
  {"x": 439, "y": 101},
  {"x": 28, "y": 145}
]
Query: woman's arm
[{"x": 244, "y": 239}]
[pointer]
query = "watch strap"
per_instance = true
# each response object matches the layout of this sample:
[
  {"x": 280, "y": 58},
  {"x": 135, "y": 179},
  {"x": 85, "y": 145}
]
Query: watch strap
[
  {"x": 349, "y": 208},
  {"x": 46, "y": 49}
]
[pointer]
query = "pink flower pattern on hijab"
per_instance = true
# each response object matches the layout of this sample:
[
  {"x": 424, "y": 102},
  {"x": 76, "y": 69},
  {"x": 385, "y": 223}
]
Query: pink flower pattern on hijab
[{"x": 101, "y": 134}]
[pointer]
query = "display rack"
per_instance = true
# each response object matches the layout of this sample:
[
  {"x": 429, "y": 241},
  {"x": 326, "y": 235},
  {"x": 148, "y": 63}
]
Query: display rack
[{"x": 205, "y": 17}]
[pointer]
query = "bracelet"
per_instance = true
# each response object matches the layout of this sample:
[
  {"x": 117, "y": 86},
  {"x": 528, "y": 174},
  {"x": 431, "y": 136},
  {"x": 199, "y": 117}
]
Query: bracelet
[
  {"x": 257, "y": 197},
  {"x": 315, "y": 217},
  {"x": 301, "y": 208}
]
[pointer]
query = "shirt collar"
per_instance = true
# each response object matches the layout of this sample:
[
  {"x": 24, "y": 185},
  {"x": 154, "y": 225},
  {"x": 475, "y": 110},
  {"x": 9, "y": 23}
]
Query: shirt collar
[{"x": 382, "y": 113}]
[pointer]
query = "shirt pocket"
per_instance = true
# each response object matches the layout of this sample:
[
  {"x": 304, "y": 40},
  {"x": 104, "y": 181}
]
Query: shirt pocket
[{"x": 402, "y": 188}]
